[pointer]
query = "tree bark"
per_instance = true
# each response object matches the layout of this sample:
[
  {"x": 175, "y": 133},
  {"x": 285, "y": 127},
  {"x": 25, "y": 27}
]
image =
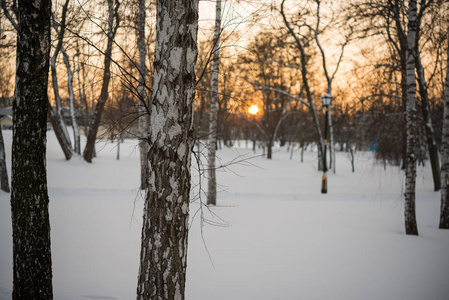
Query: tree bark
[
  {"x": 444, "y": 213},
  {"x": 62, "y": 139},
  {"x": 143, "y": 100},
  {"x": 212, "y": 181},
  {"x": 32, "y": 271},
  {"x": 430, "y": 133},
  {"x": 163, "y": 258},
  {"x": 3, "y": 170},
  {"x": 104, "y": 94},
  {"x": 411, "y": 124},
  {"x": 75, "y": 127},
  {"x": 58, "y": 120}
]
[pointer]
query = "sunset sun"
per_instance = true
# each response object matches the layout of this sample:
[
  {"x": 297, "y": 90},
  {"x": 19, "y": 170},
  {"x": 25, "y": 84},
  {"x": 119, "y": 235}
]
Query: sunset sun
[{"x": 253, "y": 109}]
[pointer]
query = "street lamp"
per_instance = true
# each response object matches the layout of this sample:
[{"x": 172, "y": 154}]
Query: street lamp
[{"x": 327, "y": 98}]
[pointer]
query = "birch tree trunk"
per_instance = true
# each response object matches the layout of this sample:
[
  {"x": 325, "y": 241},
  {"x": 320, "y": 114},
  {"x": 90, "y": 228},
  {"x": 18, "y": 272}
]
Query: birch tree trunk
[
  {"x": 444, "y": 213},
  {"x": 212, "y": 181},
  {"x": 62, "y": 139},
  {"x": 430, "y": 133},
  {"x": 411, "y": 123},
  {"x": 54, "y": 116},
  {"x": 141, "y": 90},
  {"x": 57, "y": 115},
  {"x": 32, "y": 271},
  {"x": 163, "y": 257},
  {"x": 104, "y": 94},
  {"x": 75, "y": 127},
  {"x": 3, "y": 170}
]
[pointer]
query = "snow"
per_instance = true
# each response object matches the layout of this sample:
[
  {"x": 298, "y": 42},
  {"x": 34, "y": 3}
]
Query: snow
[{"x": 272, "y": 236}]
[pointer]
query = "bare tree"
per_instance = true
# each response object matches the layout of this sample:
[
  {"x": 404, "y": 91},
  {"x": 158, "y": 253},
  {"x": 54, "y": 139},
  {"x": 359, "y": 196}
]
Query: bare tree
[
  {"x": 163, "y": 256},
  {"x": 60, "y": 29},
  {"x": 113, "y": 25},
  {"x": 142, "y": 94},
  {"x": 72, "y": 110},
  {"x": 32, "y": 266},
  {"x": 212, "y": 142},
  {"x": 444, "y": 214},
  {"x": 329, "y": 78},
  {"x": 301, "y": 42},
  {"x": 274, "y": 80},
  {"x": 411, "y": 123},
  {"x": 387, "y": 19}
]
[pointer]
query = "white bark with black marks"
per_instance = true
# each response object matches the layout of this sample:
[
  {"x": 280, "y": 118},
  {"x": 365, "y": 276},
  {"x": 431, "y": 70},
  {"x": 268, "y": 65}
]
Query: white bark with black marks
[
  {"x": 142, "y": 95},
  {"x": 411, "y": 226},
  {"x": 75, "y": 127},
  {"x": 211, "y": 145},
  {"x": 163, "y": 258}
]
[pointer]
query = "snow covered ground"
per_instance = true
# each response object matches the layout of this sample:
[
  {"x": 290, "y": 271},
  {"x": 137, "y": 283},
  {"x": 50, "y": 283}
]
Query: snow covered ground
[{"x": 273, "y": 236}]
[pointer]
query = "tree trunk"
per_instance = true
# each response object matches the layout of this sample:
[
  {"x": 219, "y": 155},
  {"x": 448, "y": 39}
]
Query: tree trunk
[
  {"x": 430, "y": 133},
  {"x": 119, "y": 140},
  {"x": 143, "y": 100},
  {"x": 305, "y": 81},
  {"x": 163, "y": 257},
  {"x": 60, "y": 136},
  {"x": 212, "y": 182},
  {"x": 3, "y": 170},
  {"x": 104, "y": 94},
  {"x": 57, "y": 120},
  {"x": 75, "y": 127},
  {"x": 32, "y": 269},
  {"x": 411, "y": 124},
  {"x": 444, "y": 213},
  {"x": 58, "y": 123},
  {"x": 269, "y": 144}
]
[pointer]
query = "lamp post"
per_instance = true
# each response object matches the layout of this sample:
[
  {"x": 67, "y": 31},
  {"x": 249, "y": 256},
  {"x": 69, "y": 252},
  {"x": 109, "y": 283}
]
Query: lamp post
[{"x": 327, "y": 98}]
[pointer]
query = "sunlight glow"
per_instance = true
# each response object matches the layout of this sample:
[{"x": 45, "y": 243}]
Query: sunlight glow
[{"x": 253, "y": 109}]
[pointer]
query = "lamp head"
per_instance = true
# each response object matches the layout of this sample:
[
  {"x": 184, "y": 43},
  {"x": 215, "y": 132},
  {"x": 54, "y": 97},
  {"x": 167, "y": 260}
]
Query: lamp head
[{"x": 327, "y": 98}]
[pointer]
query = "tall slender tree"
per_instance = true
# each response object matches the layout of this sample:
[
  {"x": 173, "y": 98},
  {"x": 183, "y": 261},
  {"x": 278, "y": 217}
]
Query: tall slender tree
[
  {"x": 444, "y": 214},
  {"x": 113, "y": 25},
  {"x": 32, "y": 277},
  {"x": 212, "y": 182},
  {"x": 411, "y": 123},
  {"x": 142, "y": 94},
  {"x": 163, "y": 257},
  {"x": 60, "y": 28},
  {"x": 301, "y": 42}
]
